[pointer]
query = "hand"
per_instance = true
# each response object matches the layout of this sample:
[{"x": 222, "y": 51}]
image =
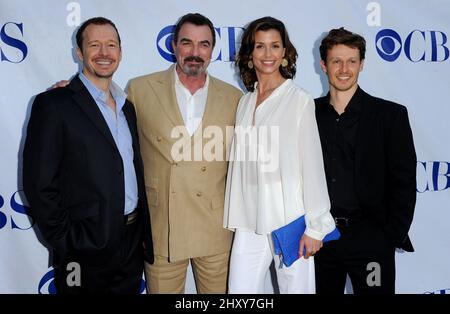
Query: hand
[
  {"x": 62, "y": 83},
  {"x": 312, "y": 246}
]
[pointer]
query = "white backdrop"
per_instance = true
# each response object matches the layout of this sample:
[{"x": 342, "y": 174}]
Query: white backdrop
[{"x": 407, "y": 61}]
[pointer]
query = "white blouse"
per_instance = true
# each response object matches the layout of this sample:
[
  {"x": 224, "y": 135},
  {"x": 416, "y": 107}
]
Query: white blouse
[{"x": 276, "y": 171}]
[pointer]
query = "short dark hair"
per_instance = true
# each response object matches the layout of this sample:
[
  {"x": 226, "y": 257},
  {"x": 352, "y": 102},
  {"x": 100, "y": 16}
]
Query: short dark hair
[
  {"x": 341, "y": 36},
  {"x": 266, "y": 23},
  {"x": 196, "y": 19},
  {"x": 95, "y": 21}
]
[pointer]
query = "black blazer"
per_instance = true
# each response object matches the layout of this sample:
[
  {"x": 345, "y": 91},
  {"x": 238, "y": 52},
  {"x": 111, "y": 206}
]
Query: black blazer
[
  {"x": 385, "y": 166},
  {"x": 73, "y": 175}
]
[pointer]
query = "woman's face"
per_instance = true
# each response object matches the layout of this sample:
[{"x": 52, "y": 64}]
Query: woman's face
[{"x": 268, "y": 52}]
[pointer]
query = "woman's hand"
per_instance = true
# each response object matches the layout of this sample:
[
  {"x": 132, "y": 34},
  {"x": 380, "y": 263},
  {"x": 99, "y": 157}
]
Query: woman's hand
[{"x": 312, "y": 246}]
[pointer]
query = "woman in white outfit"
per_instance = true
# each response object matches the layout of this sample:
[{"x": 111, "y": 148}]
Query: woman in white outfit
[{"x": 276, "y": 171}]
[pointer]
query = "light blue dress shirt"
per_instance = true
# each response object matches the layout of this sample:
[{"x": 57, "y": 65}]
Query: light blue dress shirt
[{"x": 118, "y": 126}]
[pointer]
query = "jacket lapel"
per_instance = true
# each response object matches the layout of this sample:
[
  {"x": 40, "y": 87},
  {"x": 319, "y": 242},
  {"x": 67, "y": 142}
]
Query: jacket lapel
[
  {"x": 165, "y": 92},
  {"x": 214, "y": 103},
  {"x": 131, "y": 120},
  {"x": 366, "y": 128},
  {"x": 89, "y": 107},
  {"x": 130, "y": 115}
]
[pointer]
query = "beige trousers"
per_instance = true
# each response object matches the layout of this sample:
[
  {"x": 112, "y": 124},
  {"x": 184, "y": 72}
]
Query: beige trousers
[{"x": 210, "y": 274}]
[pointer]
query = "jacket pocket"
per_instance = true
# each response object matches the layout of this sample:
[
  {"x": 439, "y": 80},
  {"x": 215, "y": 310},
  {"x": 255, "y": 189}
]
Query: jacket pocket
[{"x": 84, "y": 210}]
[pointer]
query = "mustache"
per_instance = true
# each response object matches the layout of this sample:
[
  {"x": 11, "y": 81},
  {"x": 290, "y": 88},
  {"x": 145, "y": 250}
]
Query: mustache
[{"x": 194, "y": 58}]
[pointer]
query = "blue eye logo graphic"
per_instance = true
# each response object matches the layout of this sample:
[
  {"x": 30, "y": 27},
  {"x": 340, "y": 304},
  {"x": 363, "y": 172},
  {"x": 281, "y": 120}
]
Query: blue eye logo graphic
[
  {"x": 143, "y": 288},
  {"x": 164, "y": 43},
  {"x": 47, "y": 283},
  {"x": 388, "y": 44}
]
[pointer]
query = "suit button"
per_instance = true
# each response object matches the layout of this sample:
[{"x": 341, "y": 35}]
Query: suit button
[
  {"x": 199, "y": 194},
  {"x": 203, "y": 169},
  {"x": 159, "y": 138},
  {"x": 120, "y": 171}
]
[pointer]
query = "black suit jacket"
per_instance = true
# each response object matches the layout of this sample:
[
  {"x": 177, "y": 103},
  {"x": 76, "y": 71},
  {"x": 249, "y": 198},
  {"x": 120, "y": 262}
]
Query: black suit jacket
[
  {"x": 73, "y": 175},
  {"x": 385, "y": 166}
]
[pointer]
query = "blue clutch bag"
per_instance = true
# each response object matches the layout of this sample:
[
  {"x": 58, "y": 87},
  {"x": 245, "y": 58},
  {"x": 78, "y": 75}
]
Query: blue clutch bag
[{"x": 286, "y": 240}]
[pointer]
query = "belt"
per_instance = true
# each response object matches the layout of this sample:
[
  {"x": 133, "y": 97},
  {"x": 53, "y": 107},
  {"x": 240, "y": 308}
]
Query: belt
[
  {"x": 131, "y": 217},
  {"x": 345, "y": 222}
]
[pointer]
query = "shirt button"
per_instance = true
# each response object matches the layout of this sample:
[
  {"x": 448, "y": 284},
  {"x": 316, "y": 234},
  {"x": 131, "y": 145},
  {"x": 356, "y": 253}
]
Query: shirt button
[
  {"x": 199, "y": 194},
  {"x": 203, "y": 169},
  {"x": 159, "y": 138}
]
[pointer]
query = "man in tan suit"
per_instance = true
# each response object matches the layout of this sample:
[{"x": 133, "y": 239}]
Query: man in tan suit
[{"x": 183, "y": 114}]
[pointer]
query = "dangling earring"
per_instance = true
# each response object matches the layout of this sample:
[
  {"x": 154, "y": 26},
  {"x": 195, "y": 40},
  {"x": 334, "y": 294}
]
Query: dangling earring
[
  {"x": 284, "y": 63},
  {"x": 250, "y": 64}
]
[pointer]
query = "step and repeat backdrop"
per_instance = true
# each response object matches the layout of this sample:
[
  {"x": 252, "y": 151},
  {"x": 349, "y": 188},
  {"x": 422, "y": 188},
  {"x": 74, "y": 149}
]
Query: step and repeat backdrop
[{"x": 407, "y": 61}]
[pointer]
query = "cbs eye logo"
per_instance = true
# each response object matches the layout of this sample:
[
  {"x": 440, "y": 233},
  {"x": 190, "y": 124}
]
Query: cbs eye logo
[
  {"x": 47, "y": 283},
  {"x": 164, "y": 43},
  {"x": 428, "y": 46},
  {"x": 388, "y": 44}
]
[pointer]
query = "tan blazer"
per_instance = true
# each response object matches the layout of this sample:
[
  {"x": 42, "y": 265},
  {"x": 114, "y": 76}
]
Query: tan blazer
[{"x": 186, "y": 198}]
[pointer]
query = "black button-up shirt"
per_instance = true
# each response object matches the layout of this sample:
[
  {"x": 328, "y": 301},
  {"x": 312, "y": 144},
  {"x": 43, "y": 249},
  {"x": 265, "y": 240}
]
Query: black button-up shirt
[{"x": 338, "y": 137}]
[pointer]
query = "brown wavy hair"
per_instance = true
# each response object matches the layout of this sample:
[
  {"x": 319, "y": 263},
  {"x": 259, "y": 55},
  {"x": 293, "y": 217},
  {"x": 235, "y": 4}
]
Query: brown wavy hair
[
  {"x": 266, "y": 23},
  {"x": 342, "y": 36}
]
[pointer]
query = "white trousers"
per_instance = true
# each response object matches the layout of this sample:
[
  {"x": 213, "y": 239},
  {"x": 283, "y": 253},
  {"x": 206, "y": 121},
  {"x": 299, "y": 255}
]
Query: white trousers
[{"x": 250, "y": 261}]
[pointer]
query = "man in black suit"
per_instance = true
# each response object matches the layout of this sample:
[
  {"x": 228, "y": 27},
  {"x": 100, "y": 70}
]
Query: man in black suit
[
  {"x": 83, "y": 173},
  {"x": 370, "y": 165}
]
